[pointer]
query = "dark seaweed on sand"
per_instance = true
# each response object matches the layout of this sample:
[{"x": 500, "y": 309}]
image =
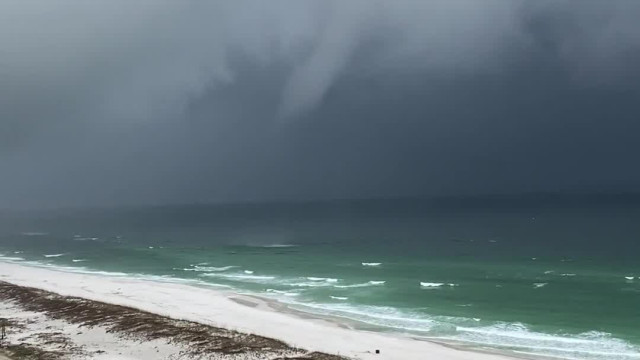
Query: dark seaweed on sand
[{"x": 140, "y": 325}]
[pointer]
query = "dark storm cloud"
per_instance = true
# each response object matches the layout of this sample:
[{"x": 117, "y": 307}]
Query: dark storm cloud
[{"x": 161, "y": 101}]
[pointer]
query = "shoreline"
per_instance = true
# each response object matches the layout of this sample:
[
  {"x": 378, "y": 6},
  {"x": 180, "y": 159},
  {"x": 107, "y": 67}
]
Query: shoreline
[
  {"x": 226, "y": 311},
  {"x": 46, "y": 325}
]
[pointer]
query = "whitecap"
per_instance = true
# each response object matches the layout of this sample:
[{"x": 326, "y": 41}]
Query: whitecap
[
  {"x": 11, "y": 258},
  {"x": 331, "y": 280},
  {"x": 53, "y": 255},
  {"x": 18, "y": 252},
  {"x": 248, "y": 272},
  {"x": 430, "y": 284},
  {"x": 280, "y": 292},
  {"x": 539, "y": 285},
  {"x": 239, "y": 276},
  {"x": 338, "y": 297},
  {"x": 308, "y": 284},
  {"x": 629, "y": 277},
  {"x": 568, "y": 275},
  {"x": 209, "y": 268},
  {"x": 370, "y": 283},
  {"x": 78, "y": 260},
  {"x": 549, "y": 272},
  {"x": 371, "y": 264}
]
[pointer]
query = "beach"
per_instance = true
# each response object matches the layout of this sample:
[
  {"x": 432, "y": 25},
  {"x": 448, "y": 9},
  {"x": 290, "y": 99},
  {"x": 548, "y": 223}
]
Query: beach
[{"x": 285, "y": 335}]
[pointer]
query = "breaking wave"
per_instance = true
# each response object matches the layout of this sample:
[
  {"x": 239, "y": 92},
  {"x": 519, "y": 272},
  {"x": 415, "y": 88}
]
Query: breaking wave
[
  {"x": 331, "y": 280},
  {"x": 367, "y": 284},
  {"x": 200, "y": 268}
]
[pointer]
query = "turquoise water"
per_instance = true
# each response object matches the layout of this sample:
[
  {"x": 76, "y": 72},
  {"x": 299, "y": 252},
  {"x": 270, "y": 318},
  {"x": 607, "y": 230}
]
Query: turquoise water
[{"x": 537, "y": 277}]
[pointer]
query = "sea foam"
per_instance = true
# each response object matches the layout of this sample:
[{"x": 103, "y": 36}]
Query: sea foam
[
  {"x": 240, "y": 277},
  {"x": 281, "y": 292},
  {"x": 367, "y": 284},
  {"x": 331, "y": 280},
  {"x": 11, "y": 258},
  {"x": 210, "y": 268}
]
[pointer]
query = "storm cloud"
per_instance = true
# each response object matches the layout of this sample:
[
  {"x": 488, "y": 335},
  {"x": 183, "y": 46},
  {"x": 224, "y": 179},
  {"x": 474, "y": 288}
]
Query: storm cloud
[{"x": 120, "y": 102}]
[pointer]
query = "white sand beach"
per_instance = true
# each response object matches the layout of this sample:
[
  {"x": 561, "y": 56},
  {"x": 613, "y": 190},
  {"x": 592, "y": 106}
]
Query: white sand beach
[{"x": 222, "y": 309}]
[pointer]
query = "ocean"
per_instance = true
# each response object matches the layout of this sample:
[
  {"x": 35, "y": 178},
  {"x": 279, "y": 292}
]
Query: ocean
[{"x": 536, "y": 275}]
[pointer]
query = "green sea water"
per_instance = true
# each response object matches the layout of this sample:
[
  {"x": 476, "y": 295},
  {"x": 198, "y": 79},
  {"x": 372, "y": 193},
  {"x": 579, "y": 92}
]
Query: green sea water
[{"x": 537, "y": 276}]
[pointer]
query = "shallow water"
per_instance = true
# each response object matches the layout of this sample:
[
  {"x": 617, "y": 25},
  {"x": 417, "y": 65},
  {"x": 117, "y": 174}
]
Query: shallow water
[{"x": 538, "y": 278}]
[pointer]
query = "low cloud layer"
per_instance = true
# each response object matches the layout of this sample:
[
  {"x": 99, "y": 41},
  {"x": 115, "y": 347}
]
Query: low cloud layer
[{"x": 115, "y": 102}]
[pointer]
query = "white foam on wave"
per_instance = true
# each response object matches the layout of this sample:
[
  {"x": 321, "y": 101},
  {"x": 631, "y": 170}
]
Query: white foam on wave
[
  {"x": 78, "y": 260},
  {"x": 374, "y": 315},
  {"x": 512, "y": 336},
  {"x": 430, "y": 285},
  {"x": 539, "y": 285},
  {"x": 242, "y": 277},
  {"x": 517, "y": 336},
  {"x": 339, "y": 297},
  {"x": 367, "y": 284},
  {"x": 53, "y": 255},
  {"x": 629, "y": 277},
  {"x": 18, "y": 252},
  {"x": 568, "y": 274},
  {"x": 11, "y": 258},
  {"x": 79, "y": 238},
  {"x": 295, "y": 283},
  {"x": 331, "y": 280},
  {"x": 281, "y": 292},
  {"x": 371, "y": 264},
  {"x": 210, "y": 268},
  {"x": 248, "y": 272},
  {"x": 310, "y": 282}
]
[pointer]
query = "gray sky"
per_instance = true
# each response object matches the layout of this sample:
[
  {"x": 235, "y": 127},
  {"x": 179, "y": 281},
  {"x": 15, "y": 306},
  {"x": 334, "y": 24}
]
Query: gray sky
[{"x": 158, "y": 101}]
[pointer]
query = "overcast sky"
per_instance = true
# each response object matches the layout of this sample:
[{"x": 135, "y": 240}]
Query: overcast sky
[{"x": 112, "y": 102}]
